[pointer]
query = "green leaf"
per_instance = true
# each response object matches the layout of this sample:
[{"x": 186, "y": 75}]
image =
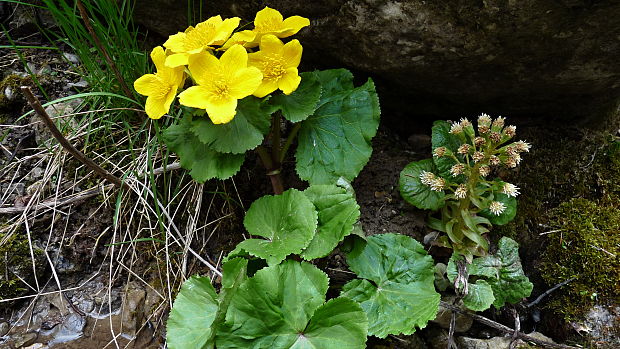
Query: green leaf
[
  {"x": 414, "y": 191},
  {"x": 334, "y": 142},
  {"x": 191, "y": 317},
  {"x": 512, "y": 284},
  {"x": 282, "y": 306},
  {"x": 479, "y": 296},
  {"x": 397, "y": 291},
  {"x": 203, "y": 162},
  {"x": 302, "y": 103},
  {"x": 337, "y": 213},
  {"x": 441, "y": 137},
  {"x": 246, "y": 130},
  {"x": 509, "y": 213},
  {"x": 288, "y": 221}
]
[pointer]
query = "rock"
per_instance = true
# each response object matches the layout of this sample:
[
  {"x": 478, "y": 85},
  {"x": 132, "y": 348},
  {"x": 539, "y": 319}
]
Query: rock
[
  {"x": 24, "y": 340},
  {"x": 37, "y": 346},
  {"x": 602, "y": 326},
  {"x": 80, "y": 84},
  {"x": 71, "y": 57},
  {"x": 436, "y": 338},
  {"x": 9, "y": 93},
  {"x": 421, "y": 143},
  {"x": 463, "y": 322},
  {"x": 66, "y": 124},
  {"x": 132, "y": 313},
  {"x": 452, "y": 59},
  {"x": 4, "y": 328}
]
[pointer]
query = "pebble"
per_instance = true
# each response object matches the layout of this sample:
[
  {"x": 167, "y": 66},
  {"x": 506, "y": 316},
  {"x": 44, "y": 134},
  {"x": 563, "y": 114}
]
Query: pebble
[{"x": 4, "y": 328}]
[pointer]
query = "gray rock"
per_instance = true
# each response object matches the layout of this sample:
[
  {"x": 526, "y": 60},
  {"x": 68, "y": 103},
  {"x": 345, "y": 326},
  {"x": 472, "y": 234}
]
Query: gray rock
[
  {"x": 602, "y": 326},
  {"x": 4, "y": 328},
  {"x": 42, "y": 133},
  {"x": 132, "y": 313},
  {"x": 476, "y": 343},
  {"x": 24, "y": 340},
  {"x": 452, "y": 59},
  {"x": 463, "y": 322}
]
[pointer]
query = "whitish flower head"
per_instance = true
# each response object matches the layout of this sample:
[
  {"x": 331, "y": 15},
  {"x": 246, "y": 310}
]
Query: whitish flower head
[
  {"x": 499, "y": 122},
  {"x": 427, "y": 177},
  {"x": 517, "y": 158},
  {"x": 497, "y": 207},
  {"x": 494, "y": 160},
  {"x": 464, "y": 149},
  {"x": 511, "y": 162},
  {"x": 439, "y": 152},
  {"x": 522, "y": 146},
  {"x": 465, "y": 122},
  {"x": 461, "y": 191},
  {"x": 511, "y": 150},
  {"x": 510, "y": 189},
  {"x": 438, "y": 184},
  {"x": 478, "y": 156},
  {"x": 457, "y": 169},
  {"x": 456, "y": 128},
  {"x": 484, "y": 170},
  {"x": 484, "y": 119},
  {"x": 478, "y": 141},
  {"x": 483, "y": 129},
  {"x": 496, "y": 137},
  {"x": 510, "y": 131}
]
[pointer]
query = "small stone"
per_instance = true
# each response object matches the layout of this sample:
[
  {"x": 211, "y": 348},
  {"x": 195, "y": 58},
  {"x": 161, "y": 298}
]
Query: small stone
[
  {"x": 71, "y": 57},
  {"x": 133, "y": 309},
  {"x": 9, "y": 94},
  {"x": 4, "y": 328},
  {"x": 37, "y": 346},
  {"x": 80, "y": 84},
  {"x": 477, "y": 343},
  {"x": 25, "y": 340}
]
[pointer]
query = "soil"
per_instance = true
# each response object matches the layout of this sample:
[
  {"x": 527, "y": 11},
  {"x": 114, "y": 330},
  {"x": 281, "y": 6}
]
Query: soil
[{"x": 78, "y": 241}]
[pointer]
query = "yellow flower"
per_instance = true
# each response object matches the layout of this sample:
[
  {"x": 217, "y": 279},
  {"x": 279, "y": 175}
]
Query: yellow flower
[
  {"x": 221, "y": 82},
  {"x": 278, "y": 63},
  {"x": 161, "y": 87},
  {"x": 242, "y": 38},
  {"x": 213, "y": 31},
  {"x": 270, "y": 21}
]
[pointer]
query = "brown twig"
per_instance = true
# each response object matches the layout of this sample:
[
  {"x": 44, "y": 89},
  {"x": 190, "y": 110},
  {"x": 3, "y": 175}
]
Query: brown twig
[
  {"x": 505, "y": 329},
  {"x": 36, "y": 105},
  {"x": 109, "y": 60}
]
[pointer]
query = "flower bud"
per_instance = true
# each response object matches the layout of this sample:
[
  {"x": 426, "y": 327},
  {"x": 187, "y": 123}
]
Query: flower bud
[
  {"x": 461, "y": 191},
  {"x": 510, "y": 189},
  {"x": 484, "y": 170},
  {"x": 456, "y": 128},
  {"x": 438, "y": 184},
  {"x": 495, "y": 137},
  {"x": 479, "y": 141},
  {"x": 522, "y": 146},
  {"x": 494, "y": 160},
  {"x": 439, "y": 152},
  {"x": 464, "y": 149},
  {"x": 427, "y": 178},
  {"x": 457, "y": 169},
  {"x": 478, "y": 156},
  {"x": 510, "y": 131},
  {"x": 497, "y": 207}
]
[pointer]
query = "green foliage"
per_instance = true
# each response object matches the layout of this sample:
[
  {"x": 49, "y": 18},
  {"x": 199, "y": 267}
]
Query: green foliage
[
  {"x": 507, "y": 215},
  {"x": 441, "y": 137},
  {"x": 414, "y": 191},
  {"x": 245, "y": 132},
  {"x": 299, "y": 105},
  {"x": 397, "y": 289},
  {"x": 337, "y": 213},
  {"x": 16, "y": 265},
  {"x": 288, "y": 222},
  {"x": 583, "y": 242},
  {"x": 283, "y": 306},
  {"x": 501, "y": 273},
  {"x": 335, "y": 141},
  {"x": 203, "y": 162}
]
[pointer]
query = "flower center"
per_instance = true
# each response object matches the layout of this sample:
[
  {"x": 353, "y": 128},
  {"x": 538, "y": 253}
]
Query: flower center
[
  {"x": 273, "y": 69},
  {"x": 162, "y": 91},
  {"x": 221, "y": 89}
]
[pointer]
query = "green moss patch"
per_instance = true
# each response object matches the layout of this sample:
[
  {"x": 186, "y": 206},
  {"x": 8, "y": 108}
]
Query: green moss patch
[{"x": 15, "y": 260}]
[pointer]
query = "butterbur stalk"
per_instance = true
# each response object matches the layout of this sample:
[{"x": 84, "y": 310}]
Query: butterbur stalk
[{"x": 457, "y": 182}]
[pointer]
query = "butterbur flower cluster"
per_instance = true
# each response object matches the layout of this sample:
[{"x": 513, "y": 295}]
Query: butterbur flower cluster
[
  {"x": 225, "y": 66},
  {"x": 475, "y": 159}
]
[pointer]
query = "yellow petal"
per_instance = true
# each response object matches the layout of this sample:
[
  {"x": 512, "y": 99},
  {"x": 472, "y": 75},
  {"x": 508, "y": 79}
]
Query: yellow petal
[
  {"x": 195, "y": 97},
  {"x": 177, "y": 60},
  {"x": 221, "y": 111},
  {"x": 268, "y": 18},
  {"x": 148, "y": 85},
  {"x": 295, "y": 23},
  {"x": 225, "y": 30},
  {"x": 176, "y": 42},
  {"x": 234, "y": 59},
  {"x": 245, "y": 82},
  {"x": 240, "y": 38},
  {"x": 155, "y": 107},
  {"x": 271, "y": 44},
  {"x": 204, "y": 66},
  {"x": 158, "y": 56},
  {"x": 266, "y": 87},
  {"x": 213, "y": 21},
  {"x": 289, "y": 81},
  {"x": 292, "y": 53},
  {"x": 170, "y": 98}
]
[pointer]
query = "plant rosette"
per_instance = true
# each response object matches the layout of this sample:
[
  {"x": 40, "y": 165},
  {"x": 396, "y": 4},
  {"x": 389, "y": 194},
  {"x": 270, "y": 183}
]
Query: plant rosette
[{"x": 236, "y": 89}]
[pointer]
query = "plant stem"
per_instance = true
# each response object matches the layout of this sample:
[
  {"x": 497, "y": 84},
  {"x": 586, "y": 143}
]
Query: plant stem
[
  {"x": 289, "y": 141},
  {"x": 272, "y": 173}
]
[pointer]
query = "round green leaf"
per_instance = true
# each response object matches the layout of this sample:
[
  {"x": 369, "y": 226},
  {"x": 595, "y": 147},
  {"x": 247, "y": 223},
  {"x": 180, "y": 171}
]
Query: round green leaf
[
  {"x": 282, "y": 307},
  {"x": 246, "y": 130},
  {"x": 334, "y": 142},
  {"x": 337, "y": 212},
  {"x": 302, "y": 103},
  {"x": 512, "y": 285},
  {"x": 441, "y": 137},
  {"x": 509, "y": 213},
  {"x": 402, "y": 294},
  {"x": 203, "y": 162},
  {"x": 479, "y": 296},
  {"x": 191, "y": 317},
  {"x": 414, "y": 191},
  {"x": 288, "y": 222}
]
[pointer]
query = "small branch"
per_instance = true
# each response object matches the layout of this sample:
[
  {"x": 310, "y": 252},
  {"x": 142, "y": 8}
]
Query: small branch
[
  {"x": 53, "y": 203},
  {"x": 506, "y": 329},
  {"x": 273, "y": 174},
  {"x": 109, "y": 60},
  {"x": 548, "y": 292},
  {"x": 36, "y": 105}
]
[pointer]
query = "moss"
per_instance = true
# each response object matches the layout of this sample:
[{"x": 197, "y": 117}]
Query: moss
[
  {"x": 14, "y": 82},
  {"x": 15, "y": 260},
  {"x": 585, "y": 244}
]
